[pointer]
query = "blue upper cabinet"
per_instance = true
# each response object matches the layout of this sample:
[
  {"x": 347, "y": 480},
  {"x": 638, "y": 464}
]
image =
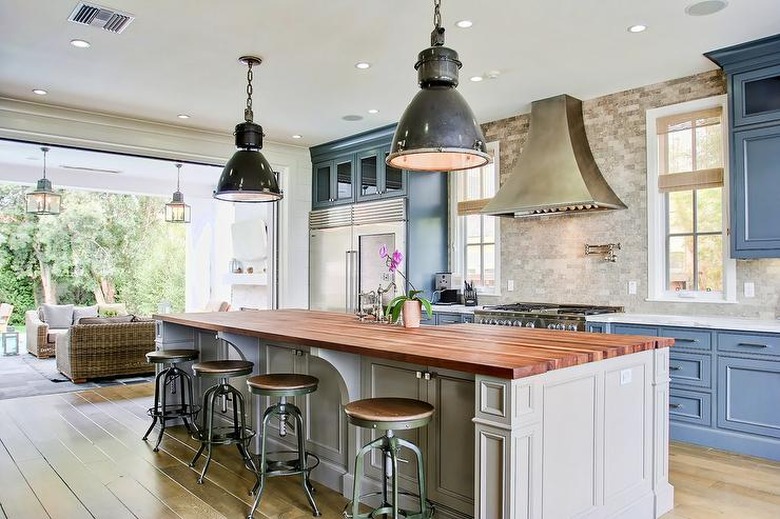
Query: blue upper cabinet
[
  {"x": 353, "y": 169},
  {"x": 376, "y": 179},
  {"x": 753, "y": 71}
]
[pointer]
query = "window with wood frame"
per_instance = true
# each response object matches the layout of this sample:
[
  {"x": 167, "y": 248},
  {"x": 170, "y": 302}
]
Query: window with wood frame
[
  {"x": 688, "y": 202},
  {"x": 476, "y": 236}
]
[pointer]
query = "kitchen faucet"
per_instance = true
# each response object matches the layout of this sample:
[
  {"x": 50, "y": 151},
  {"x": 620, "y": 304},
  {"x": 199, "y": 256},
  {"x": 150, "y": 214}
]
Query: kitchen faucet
[{"x": 380, "y": 316}]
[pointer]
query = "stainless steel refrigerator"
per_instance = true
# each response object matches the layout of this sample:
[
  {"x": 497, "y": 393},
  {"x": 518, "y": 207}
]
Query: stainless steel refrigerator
[{"x": 344, "y": 259}]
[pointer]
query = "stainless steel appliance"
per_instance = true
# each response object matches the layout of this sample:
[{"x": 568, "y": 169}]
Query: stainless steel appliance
[
  {"x": 541, "y": 315},
  {"x": 443, "y": 280},
  {"x": 344, "y": 257}
]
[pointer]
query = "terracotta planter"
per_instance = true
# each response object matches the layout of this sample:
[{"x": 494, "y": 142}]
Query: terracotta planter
[{"x": 412, "y": 313}]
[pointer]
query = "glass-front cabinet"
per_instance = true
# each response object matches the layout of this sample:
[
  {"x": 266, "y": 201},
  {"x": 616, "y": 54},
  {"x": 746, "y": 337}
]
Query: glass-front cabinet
[
  {"x": 333, "y": 182},
  {"x": 376, "y": 179}
]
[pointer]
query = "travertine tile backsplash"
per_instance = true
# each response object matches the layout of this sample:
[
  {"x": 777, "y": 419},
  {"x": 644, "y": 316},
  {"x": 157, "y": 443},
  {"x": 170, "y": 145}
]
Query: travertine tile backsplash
[{"x": 545, "y": 256}]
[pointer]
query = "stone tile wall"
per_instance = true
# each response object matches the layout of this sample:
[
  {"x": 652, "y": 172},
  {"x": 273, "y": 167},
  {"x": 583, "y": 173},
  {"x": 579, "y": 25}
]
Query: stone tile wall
[{"x": 545, "y": 256}]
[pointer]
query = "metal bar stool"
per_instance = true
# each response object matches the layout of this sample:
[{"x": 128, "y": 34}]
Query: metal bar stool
[
  {"x": 284, "y": 386},
  {"x": 167, "y": 379},
  {"x": 388, "y": 415},
  {"x": 236, "y": 433}
]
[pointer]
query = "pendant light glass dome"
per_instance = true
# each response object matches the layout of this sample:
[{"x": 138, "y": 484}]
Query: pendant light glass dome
[
  {"x": 438, "y": 130},
  {"x": 176, "y": 211},
  {"x": 43, "y": 200},
  {"x": 248, "y": 177}
]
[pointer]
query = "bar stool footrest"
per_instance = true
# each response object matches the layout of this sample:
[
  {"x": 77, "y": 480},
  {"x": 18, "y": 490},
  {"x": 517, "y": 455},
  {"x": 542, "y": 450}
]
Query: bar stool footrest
[
  {"x": 387, "y": 509},
  {"x": 224, "y": 435},
  {"x": 173, "y": 411},
  {"x": 282, "y": 467}
]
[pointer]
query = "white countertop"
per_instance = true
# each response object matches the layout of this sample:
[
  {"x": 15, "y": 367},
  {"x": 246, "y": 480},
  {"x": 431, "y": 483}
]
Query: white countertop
[
  {"x": 456, "y": 309},
  {"x": 694, "y": 321}
]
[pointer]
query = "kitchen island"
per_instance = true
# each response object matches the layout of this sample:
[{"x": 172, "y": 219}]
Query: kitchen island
[{"x": 529, "y": 423}]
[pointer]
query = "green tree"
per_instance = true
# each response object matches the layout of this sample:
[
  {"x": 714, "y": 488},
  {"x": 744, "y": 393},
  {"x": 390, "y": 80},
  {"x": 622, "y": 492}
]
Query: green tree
[{"x": 103, "y": 247}]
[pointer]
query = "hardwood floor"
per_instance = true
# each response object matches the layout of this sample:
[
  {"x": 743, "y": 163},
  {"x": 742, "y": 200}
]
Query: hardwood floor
[{"x": 79, "y": 455}]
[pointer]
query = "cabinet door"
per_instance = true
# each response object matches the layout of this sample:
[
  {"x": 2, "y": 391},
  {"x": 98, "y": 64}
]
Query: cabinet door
[
  {"x": 748, "y": 392},
  {"x": 368, "y": 175},
  {"x": 634, "y": 329},
  {"x": 321, "y": 185},
  {"x": 393, "y": 179},
  {"x": 386, "y": 378},
  {"x": 448, "y": 318},
  {"x": 755, "y": 191},
  {"x": 450, "y": 453},
  {"x": 343, "y": 180},
  {"x": 756, "y": 96}
]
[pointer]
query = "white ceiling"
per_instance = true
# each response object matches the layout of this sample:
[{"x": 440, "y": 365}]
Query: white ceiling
[{"x": 180, "y": 56}]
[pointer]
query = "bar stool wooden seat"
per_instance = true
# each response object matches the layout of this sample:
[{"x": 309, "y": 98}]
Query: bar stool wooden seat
[
  {"x": 283, "y": 386},
  {"x": 166, "y": 380},
  {"x": 389, "y": 415},
  {"x": 236, "y": 433}
]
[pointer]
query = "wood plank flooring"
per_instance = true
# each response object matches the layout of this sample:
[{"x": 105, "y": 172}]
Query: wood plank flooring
[{"x": 79, "y": 455}]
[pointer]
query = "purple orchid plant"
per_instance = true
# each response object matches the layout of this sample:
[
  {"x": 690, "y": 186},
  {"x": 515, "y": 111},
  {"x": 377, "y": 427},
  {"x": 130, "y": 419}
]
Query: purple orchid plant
[{"x": 394, "y": 306}]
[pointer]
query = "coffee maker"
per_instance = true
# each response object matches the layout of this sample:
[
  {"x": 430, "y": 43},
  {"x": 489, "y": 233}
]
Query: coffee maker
[{"x": 443, "y": 285}]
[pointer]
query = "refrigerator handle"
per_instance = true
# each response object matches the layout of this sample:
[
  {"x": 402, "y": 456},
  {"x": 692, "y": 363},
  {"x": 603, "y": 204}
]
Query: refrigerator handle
[
  {"x": 348, "y": 281},
  {"x": 351, "y": 281}
]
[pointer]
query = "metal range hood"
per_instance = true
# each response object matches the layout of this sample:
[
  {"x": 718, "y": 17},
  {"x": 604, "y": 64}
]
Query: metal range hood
[{"x": 556, "y": 173}]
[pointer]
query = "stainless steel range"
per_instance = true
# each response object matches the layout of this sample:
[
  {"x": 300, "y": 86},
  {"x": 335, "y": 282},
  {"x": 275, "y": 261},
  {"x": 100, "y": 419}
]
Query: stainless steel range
[{"x": 541, "y": 315}]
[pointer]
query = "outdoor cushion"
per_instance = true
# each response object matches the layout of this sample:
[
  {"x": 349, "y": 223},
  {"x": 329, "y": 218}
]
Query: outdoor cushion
[
  {"x": 57, "y": 316},
  {"x": 106, "y": 320},
  {"x": 53, "y": 334},
  {"x": 84, "y": 311},
  {"x": 119, "y": 308}
]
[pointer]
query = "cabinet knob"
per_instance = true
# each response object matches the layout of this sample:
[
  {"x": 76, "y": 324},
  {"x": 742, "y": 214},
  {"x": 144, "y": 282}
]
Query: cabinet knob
[
  {"x": 427, "y": 375},
  {"x": 418, "y": 374}
]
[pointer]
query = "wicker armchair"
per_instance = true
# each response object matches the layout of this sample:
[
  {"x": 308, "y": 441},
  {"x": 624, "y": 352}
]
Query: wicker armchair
[
  {"x": 40, "y": 337},
  {"x": 105, "y": 350}
]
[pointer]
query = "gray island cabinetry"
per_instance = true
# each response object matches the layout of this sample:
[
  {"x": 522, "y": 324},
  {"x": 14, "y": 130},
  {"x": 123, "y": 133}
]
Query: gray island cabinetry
[{"x": 528, "y": 424}]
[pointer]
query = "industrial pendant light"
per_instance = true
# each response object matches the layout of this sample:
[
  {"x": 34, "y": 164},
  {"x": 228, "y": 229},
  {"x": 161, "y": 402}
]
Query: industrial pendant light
[
  {"x": 438, "y": 130},
  {"x": 176, "y": 211},
  {"x": 43, "y": 200},
  {"x": 247, "y": 176}
]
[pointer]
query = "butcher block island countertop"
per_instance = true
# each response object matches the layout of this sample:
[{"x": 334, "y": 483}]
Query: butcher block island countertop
[
  {"x": 529, "y": 424},
  {"x": 498, "y": 351}
]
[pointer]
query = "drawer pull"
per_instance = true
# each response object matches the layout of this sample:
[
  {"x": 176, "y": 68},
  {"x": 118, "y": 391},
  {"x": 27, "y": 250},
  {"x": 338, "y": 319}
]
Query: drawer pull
[
  {"x": 685, "y": 339},
  {"x": 675, "y": 406},
  {"x": 675, "y": 368},
  {"x": 752, "y": 345}
]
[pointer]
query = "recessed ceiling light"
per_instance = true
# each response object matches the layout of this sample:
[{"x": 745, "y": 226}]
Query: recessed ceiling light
[
  {"x": 352, "y": 117},
  {"x": 296, "y": 136},
  {"x": 706, "y": 7},
  {"x": 362, "y": 65},
  {"x": 637, "y": 28},
  {"x": 39, "y": 91},
  {"x": 183, "y": 116},
  {"x": 464, "y": 24},
  {"x": 373, "y": 111},
  {"x": 476, "y": 79},
  {"x": 493, "y": 74},
  {"x": 81, "y": 44}
]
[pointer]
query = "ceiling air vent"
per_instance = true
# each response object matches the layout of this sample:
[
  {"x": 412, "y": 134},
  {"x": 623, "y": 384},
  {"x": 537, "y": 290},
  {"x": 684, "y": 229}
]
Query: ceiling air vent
[{"x": 101, "y": 17}]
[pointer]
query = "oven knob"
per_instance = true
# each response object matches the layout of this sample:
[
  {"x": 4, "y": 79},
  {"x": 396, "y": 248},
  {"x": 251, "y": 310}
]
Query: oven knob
[
  {"x": 517, "y": 323},
  {"x": 551, "y": 326},
  {"x": 560, "y": 326},
  {"x": 530, "y": 324},
  {"x": 573, "y": 327}
]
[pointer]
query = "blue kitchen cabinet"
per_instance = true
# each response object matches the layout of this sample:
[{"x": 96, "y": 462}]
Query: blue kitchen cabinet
[
  {"x": 753, "y": 72},
  {"x": 375, "y": 178},
  {"x": 724, "y": 389},
  {"x": 748, "y": 399}
]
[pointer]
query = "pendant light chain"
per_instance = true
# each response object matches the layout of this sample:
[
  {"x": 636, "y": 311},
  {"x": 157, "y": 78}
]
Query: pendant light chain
[
  {"x": 437, "y": 35},
  {"x": 248, "y": 115},
  {"x": 178, "y": 174},
  {"x": 44, "y": 150}
]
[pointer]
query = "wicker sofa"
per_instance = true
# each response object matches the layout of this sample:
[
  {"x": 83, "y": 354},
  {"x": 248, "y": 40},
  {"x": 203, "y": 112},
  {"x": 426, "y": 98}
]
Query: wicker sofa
[{"x": 105, "y": 350}]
